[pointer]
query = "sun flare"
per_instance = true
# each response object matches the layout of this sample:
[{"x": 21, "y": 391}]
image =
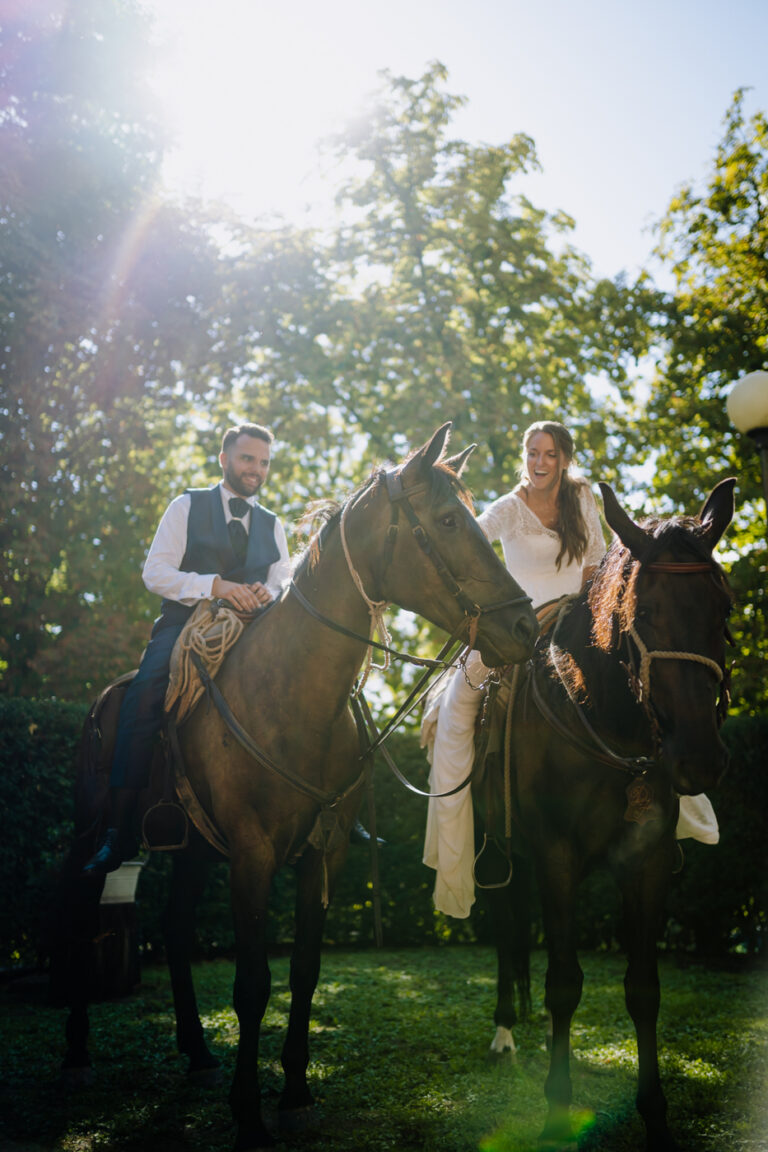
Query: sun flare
[{"x": 248, "y": 94}]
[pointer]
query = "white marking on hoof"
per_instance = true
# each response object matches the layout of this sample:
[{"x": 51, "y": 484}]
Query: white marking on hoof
[{"x": 503, "y": 1044}]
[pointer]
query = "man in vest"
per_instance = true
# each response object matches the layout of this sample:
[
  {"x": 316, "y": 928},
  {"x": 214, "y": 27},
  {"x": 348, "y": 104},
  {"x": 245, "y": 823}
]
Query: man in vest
[{"x": 211, "y": 543}]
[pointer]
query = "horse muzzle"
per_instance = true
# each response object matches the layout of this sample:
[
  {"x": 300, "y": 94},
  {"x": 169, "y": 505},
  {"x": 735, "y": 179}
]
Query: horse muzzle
[
  {"x": 501, "y": 641},
  {"x": 692, "y": 773}
]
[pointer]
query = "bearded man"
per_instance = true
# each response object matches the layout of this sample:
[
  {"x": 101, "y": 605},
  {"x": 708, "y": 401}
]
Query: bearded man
[{"x": 211, "y": 543}]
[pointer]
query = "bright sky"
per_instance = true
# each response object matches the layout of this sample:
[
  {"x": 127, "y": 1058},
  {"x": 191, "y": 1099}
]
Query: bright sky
[{"x": 624, "y": 98}]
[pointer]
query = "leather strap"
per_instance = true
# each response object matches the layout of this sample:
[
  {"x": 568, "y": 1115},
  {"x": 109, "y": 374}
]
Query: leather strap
[
  {"x": 636, "y": 765},
  {"x": 188, "y": 797},
  {"x": 326, "y": 799},
  {"x": 359, "y": 702}
]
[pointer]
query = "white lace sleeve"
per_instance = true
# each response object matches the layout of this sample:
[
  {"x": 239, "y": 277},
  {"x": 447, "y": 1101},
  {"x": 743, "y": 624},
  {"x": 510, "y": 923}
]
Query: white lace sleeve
[
  {"x": 595, "y": 539},
  {"x": 501, "y": 518}
]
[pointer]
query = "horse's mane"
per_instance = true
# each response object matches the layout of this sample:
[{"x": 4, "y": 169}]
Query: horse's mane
[
  {"x": 612, "y": 597},
  {"x": 320, "y": 517}
]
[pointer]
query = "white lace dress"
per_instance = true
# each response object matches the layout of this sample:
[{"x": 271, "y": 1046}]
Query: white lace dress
[
  {"x": 447, "y": 732},
  {"x": 530, "y": 550}
]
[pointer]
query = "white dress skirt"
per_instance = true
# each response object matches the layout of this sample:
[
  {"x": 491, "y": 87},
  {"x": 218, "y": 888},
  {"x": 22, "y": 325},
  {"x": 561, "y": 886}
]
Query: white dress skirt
[{"x": 448, "y": 724}]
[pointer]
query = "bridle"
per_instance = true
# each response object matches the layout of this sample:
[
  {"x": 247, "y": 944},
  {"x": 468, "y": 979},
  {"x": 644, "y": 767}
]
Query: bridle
[
  {"x": 472, "y": 611},
  {"x": 640, "y": 676},
  {"x": 639, "y": 680}
]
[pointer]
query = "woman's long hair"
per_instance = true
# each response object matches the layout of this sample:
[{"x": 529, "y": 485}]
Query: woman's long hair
[{"x": 570, "y": 524}]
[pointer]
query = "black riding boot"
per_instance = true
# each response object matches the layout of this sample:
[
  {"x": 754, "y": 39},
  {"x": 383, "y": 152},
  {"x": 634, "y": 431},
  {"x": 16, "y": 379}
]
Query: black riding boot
[{"x": 119, "y": 842}]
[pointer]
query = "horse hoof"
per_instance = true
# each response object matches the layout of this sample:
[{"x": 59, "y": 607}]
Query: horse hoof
[
  {"x": 298, "y": 1119},
  {"x": 662, "y": 1141},
  {"x": 205, "y": 1077},
  {"x": 562, "y": 1143},
  {"x": 75, "y": 1079},
  {"x": 253, "y": 1140},
  {"x": 559, "y": 1134},
  {"x": 502, "y": 1049}
]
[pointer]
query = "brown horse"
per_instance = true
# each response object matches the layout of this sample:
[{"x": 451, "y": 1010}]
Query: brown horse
[
  {"x": 288, "y": 683},
  {"x": 616, "y": 716}
]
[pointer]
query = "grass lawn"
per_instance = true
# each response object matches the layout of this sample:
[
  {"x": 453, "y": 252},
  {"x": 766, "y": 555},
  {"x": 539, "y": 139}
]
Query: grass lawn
[{"x": 398, "y": 1061}]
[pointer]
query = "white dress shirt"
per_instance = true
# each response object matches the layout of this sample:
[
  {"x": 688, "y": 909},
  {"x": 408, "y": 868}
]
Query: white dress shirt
[{"x": 162, "y": 573}]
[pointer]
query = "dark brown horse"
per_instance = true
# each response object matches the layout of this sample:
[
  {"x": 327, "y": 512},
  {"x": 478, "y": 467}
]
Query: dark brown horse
[
  {"x": 288, "y": 683},
  {"x": 616, "y": 716}
]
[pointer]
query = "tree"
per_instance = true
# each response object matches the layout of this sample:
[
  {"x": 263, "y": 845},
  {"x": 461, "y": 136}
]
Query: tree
[
  {"x": 701, "y": 337},
  {"x": 459, "y": 305},
  {"x": 102, "y": 292}
]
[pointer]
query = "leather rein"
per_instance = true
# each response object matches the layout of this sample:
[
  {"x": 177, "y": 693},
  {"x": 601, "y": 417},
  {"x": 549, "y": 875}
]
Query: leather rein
[{"x": 639, "y": 682}]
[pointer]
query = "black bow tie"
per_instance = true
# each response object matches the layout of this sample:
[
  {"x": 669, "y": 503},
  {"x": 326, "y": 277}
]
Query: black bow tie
[{"x": 238, "y": 507}]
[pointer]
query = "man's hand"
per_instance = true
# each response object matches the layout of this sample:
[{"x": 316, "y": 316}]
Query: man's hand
[{"x": 243, "y": 597}]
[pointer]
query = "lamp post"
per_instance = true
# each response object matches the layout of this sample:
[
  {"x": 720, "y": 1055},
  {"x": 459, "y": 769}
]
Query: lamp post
[{"x": 747, "y": 406}]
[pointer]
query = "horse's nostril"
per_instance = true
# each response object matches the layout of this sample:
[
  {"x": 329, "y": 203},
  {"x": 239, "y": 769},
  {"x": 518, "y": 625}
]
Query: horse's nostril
[{"x": 525, "y": 630}]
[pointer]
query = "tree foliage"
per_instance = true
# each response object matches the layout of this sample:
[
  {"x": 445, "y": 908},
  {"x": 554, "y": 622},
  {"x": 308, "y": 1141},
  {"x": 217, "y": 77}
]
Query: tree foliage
[
  {"x": 701, "y": 337},
  {"x": 463, "y": 301},
  {"x": 133, "y": 329},
  {"x": 101, "y": 297}
]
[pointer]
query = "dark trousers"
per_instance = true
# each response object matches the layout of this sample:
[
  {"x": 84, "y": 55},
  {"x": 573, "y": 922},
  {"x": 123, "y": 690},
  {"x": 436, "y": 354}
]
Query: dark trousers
[{"x": 141, "y": 713}]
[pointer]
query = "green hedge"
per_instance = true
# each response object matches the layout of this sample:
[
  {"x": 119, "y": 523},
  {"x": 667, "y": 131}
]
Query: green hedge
[
  {"x": 38, "y": 750},
  {"x": 719, "y": 902}
]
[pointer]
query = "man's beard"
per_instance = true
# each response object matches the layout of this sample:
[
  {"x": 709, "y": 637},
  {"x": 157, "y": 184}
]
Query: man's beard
[{"x": 236, "y": 484}]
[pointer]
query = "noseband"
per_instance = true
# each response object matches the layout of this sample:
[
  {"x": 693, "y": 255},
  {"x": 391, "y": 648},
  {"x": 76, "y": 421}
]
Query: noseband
[
  {"x": 398, "y": 499},
  {"x": 640, "y": 679}
]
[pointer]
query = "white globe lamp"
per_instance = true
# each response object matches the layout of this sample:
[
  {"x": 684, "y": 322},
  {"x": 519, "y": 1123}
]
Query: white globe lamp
[{"x": 747, "y": 406}]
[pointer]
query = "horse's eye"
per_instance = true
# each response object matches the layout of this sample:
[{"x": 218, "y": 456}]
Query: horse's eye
[{"x": 449, "y": 520}]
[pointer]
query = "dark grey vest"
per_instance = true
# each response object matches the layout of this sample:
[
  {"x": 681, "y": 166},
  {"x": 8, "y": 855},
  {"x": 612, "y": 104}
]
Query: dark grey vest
[{"x": 209, "y": 548}]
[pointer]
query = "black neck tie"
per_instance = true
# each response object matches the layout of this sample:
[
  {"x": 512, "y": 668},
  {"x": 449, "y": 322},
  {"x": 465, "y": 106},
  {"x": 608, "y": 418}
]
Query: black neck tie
[{"x": 237, "y": 533}]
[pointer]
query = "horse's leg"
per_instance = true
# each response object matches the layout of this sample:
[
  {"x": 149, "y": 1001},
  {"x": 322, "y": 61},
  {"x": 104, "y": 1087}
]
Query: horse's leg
[
  {"x": 251, "y": 875},
  {"x": 558, "y": 882},
  {"x": 510, "y": 911},
  {"x": 73, "y": 926},
  {"x": 296, "y": 1104},
  {"x": 505, "y": 1015},
  {"x": 643, "y": 893},
  {"x": 188, "y": 879}
]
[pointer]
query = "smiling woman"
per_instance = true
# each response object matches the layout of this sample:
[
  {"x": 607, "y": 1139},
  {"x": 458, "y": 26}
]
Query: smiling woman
[{"x": 550, "y": 533}]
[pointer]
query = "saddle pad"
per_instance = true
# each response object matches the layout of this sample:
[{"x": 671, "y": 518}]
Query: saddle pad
[{"x": 210, "y": 632}]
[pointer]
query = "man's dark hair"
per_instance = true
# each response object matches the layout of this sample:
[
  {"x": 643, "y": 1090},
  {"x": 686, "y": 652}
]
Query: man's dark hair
[{"x": 256, "y": 430}]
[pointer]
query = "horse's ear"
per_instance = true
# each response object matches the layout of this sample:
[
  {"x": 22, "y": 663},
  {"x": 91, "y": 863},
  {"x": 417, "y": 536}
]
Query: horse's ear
[
  {"x": 631, "y": 535},
  {"x": 458, "y": 463},
  {"x": 717, "y": 511},
  {"x": 429, "y": 453}
]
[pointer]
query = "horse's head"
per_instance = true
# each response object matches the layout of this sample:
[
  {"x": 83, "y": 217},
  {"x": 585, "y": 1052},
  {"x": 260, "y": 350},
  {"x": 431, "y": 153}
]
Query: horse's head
[
  {"x": 661, "y": 598},
  {"x": 434, "y": 559}
]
